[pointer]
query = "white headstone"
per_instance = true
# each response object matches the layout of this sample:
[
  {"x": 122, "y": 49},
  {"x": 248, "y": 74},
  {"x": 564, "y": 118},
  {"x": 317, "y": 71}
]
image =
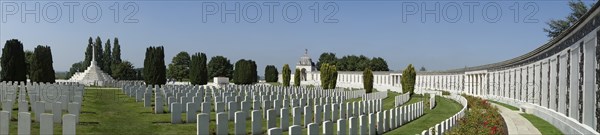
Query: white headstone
[
  {"x": 341, "y": 127},
  {"x": 175, "y": 113},
  {"x": 284, "y": 121},
  {"x": 24, "y": 123},
  {"x": 46, "y": 124},
  {"x": 327, "y": 128},
  {"x": 257, "y": 122},
  {"x": 203, "y": 119},
  {"x": 69, "y": 124},
  {"x": 240, "y": 123},
  {"x": 222, "y": 123},
  {"x": 4, "y": 121}
]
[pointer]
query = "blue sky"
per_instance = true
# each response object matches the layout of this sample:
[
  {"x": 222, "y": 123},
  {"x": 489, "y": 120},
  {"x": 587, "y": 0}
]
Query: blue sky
[{"x": 371, "y": 28}]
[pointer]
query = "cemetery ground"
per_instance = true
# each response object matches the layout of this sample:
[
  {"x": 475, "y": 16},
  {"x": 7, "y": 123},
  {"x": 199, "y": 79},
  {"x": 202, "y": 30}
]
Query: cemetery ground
[{"x": 110, "y": 111}]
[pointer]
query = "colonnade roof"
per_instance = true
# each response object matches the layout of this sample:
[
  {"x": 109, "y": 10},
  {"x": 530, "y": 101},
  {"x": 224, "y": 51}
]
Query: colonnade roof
[{"x": 585, "y": 24}]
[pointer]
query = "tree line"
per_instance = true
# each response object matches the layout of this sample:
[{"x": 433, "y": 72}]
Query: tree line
[
  {"x": 18, "y": 65},
  {"x": 353, "y": 62}
]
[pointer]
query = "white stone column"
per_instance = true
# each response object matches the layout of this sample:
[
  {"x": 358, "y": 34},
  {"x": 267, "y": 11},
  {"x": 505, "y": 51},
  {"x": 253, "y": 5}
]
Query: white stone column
[
  {"x": 574, "y": 85},
  {"x": 562, "y": 83},
  {"x": 538, "y": 83},
  {"x": 544, "y": 84},
  {"x": 553, "y": 84},
  {"x": 518, "y": 84},
  {"x": 530, "y": 84},
  {"x": 589, "y": 84}
]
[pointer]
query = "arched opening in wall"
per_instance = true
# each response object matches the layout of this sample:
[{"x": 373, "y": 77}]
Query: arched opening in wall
[{"x": 303, "y": 75}]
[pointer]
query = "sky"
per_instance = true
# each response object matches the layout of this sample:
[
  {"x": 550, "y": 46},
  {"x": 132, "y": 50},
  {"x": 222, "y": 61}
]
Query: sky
[{"x": 277, "y": 32}]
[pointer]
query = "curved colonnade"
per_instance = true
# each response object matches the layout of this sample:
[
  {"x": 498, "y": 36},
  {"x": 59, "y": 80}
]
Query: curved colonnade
[{"x": 558, "y": 82}]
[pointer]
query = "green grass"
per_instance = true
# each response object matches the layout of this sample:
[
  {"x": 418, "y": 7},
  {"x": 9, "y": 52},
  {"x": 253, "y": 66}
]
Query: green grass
[
  {"x": 543, "y": 126},
  {"x": 275, "y": 83},
  {"x": 505, "y": 105},
  {"x": 445, "y": 109}
]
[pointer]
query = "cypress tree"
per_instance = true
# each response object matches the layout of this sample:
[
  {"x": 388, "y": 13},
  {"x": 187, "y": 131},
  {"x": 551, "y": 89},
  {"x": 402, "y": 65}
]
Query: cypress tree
[
  {"x": 13, "y": 61},
  {"x": 286, "y": 72},
  {"x": 154, "y": 66},
  {"x": 107, "y": 58},
  {"x": 203, "y": 70},
  {"x": 116, "y": 53},
  {"x": 195, "y": 69},
  {"x": 99, "y": 53},
  {"x": 324, "y": 71},
  {"x": 41, "y": 67},
  {"x": 271, "y": 74},
  {"x": 88, "y": 53},
  {"x": 332, "y": 76},
  {"x": 409, "y": 76},
  {"x": 368, "y": 80},
  {"x": 297, "y": 78}
]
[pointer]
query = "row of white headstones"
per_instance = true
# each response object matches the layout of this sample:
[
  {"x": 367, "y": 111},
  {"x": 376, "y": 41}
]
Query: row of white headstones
[
  {"x": 240, "y": 103},
  {"x": 51, "y": 104},
  {"x": 447, "y": 124}
]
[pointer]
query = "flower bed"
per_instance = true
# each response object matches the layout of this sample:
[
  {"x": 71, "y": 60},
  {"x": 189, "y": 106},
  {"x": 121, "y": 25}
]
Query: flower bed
[{"x": 481, "y": 119}]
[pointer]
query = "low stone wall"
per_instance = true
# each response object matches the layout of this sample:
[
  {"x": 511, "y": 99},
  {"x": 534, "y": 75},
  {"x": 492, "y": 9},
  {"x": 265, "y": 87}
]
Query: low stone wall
[{"x": 447, "y": 124}]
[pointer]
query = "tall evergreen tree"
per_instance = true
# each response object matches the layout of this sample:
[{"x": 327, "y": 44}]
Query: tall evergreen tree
[
  {"x": 13, "y": 61},
  {"x": 409, "y": 76},
  {"x": 107, "y": 58},
  {"x": 88, "y": 53},
  {"x": 297, "y": 77},
  {"x": 99, "y": 53},
  {"x": 116, "y": 53},
  {"x": 245, "y": 72},
  {"x": 41, "y": 65},
  {"x": 219, "y": 66},
  {"x": 198, "y": 72},
  {"x": 154, "y": 66},
  {"x": 271, "y": 73},
  {"x": 333, "y": 77},
  {"x": 28, "y": 59},
  {"x": 324, "y": 71},
  {"x": 368, "y": 80},
  {"x": 286, "y": 74}
]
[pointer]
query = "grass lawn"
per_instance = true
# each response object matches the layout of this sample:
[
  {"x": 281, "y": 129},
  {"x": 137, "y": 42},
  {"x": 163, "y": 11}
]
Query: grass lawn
[
  {"x": 543, "y": 126},
  {"x": 444, "y": 109},
  {"x": 505, "y": 105}
]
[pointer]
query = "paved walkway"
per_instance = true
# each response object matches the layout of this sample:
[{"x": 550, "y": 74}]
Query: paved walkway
[{"x": 516, "y": 123}]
